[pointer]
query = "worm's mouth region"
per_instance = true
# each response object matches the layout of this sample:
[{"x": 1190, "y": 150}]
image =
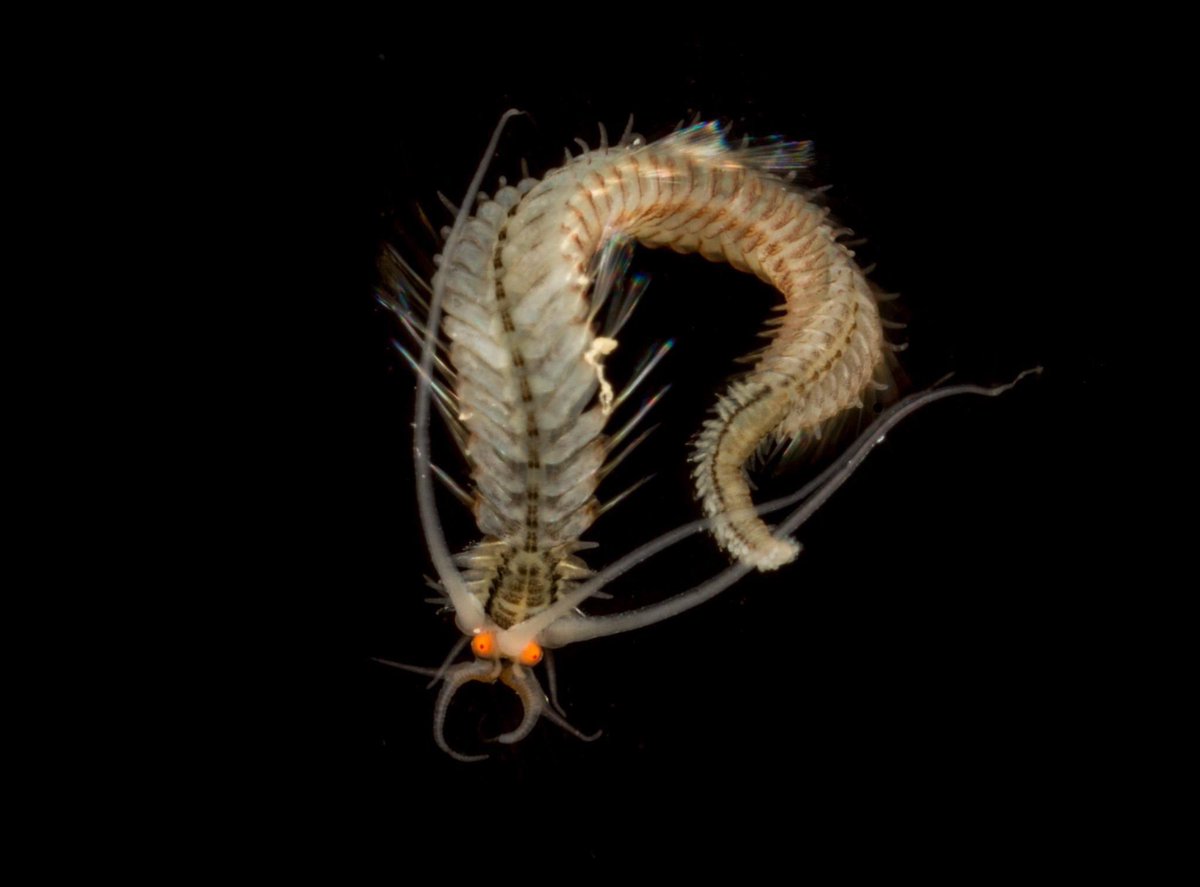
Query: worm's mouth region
[{"x": 515, "y": 675}]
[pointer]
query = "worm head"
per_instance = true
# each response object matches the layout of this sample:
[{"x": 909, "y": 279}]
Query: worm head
[{"x": 516, "y": 672}]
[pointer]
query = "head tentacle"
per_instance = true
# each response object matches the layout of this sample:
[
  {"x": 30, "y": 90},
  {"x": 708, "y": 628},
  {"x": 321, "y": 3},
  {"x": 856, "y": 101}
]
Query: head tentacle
[
  {"x": 533, "y": 702},
  {"x": 525, "y": 684},
  {"x": 482, "y": 670}
]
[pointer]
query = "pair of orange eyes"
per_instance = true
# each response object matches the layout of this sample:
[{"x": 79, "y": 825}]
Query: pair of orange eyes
[{"x": 484, "y": 645}]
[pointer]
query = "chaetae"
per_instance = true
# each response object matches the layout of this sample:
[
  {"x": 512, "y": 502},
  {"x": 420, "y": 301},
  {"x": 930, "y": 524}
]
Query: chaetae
[{"x": 517, "y": 295}]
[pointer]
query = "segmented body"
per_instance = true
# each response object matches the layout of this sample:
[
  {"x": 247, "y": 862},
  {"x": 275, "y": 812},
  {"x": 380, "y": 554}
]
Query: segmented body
[
  {"x": 521, "y": 329},
  {"x": 520, "y": 392},
  {"x": 520, "y": 285}
]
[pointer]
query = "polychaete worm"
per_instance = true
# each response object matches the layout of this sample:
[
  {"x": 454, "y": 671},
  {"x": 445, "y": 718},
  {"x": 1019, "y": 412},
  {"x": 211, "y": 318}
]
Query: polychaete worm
[{"x": 531, "y": 293}]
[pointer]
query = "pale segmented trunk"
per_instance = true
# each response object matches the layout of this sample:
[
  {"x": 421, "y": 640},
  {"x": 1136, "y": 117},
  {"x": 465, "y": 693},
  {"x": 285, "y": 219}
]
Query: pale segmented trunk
[
  {"x": 518, "y": 316},
  {"x": 521, "y": 394}
]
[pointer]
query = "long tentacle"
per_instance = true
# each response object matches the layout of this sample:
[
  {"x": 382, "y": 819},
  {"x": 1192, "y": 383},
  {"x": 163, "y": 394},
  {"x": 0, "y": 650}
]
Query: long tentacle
[
  {"x": 552, "y": 682},
  {"x": 469, "y": 612},
  {"x": 533, "y": 702},
  {"x": 436, "y": 674},
  {"x": 525, "y": 684},
  {"x": 450, "y": 657},
  {"x": 571, "y": 628},
  {"x": 484, "y": 670},
  {"x": 555, "y": 718}
]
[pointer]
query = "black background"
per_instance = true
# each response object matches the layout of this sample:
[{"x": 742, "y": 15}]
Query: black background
[{"x": 925, "y": 668}]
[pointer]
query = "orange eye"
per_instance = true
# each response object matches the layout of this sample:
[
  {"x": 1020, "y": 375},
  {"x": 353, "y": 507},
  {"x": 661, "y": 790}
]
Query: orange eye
[
  {"x": 484, "y": 644},
  {"x": 532, "y": 654}
]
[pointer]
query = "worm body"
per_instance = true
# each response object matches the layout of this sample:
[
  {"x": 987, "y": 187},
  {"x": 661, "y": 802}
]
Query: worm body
[
  {"x": 519, "y": 312},
  {"x": 522, "y": 281}
]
